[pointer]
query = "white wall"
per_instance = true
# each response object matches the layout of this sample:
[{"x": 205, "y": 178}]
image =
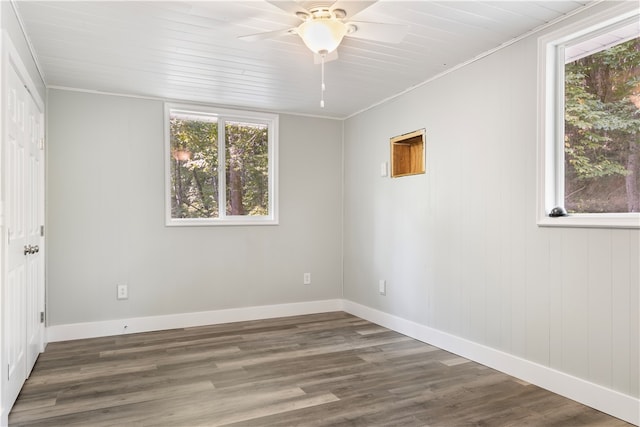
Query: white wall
[
  {"x": 459, "y": 246},
  {"x": 105, "y": 220}
]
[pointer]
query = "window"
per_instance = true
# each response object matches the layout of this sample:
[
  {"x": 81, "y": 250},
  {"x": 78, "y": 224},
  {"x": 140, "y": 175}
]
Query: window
[
  {"x": 590, "y": 117},
  {"x": 220, "y": 166}
]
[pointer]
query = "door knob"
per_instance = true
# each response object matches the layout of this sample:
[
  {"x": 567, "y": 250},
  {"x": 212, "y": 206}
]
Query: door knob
[{"x": 28, "y": 249}]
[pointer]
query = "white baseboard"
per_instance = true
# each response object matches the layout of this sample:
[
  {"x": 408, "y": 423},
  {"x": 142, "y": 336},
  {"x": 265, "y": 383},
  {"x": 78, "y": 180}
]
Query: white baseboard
[
  {"x": 105, "y": 328},
  {"x": 601, "y": 398}
]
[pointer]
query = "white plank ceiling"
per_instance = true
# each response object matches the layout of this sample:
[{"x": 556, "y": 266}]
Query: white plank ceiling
[{"x": 190, "y": 51}]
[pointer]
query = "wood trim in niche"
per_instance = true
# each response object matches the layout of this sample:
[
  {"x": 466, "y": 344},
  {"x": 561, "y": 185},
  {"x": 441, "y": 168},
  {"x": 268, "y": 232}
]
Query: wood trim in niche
[{"x": 408, "y": 154}]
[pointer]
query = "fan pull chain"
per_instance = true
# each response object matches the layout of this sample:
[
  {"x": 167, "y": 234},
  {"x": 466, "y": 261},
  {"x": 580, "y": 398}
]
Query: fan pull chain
[{"x": 322, "y": 87}]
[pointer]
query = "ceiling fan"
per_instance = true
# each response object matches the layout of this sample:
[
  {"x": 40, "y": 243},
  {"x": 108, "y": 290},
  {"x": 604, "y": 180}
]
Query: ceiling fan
[{"x": 324, "y": 25}]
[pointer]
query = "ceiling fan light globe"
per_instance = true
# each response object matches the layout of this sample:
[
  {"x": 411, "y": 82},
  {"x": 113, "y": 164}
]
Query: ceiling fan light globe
[{"x": 322, "y": 35}]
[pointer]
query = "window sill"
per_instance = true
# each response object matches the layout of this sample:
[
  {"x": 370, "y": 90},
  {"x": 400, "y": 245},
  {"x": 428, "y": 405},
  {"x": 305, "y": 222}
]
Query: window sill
[
  {"x": 629, "y": 220},
  {"x": 197, "y": 222}
]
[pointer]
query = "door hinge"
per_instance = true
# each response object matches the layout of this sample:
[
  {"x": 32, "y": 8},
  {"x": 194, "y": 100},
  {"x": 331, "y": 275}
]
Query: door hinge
[
  {"x": 41, "y": 144},
  {"x": 42, "y": 230},
  {"x": 42, "y": 317}
]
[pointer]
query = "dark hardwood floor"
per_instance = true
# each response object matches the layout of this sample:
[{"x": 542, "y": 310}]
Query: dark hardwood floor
[{"x": 329, "y": 369}]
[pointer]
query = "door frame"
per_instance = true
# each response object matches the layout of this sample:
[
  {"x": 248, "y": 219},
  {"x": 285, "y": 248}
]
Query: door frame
[{"x": 10, "y": 57}]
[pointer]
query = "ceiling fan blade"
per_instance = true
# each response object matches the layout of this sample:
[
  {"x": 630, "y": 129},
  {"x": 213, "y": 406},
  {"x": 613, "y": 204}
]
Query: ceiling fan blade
[
  {"x": 317, "y": 58},
  {"x": 267, "y": 35},
  {"x": 376, "y": 31},
  {"x": 351, "y": 7},
  {"x": 289, "y": 6}
]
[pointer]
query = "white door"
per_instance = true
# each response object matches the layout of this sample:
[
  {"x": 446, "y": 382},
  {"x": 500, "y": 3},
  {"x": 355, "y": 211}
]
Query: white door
[
  {"x": 17, "y": 243},
  {"x": 34, "y": 173},
  {"x": 24, "y": 197}
]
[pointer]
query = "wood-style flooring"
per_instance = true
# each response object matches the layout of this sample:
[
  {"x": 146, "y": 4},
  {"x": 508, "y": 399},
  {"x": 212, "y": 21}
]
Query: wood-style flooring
[{"x": 329, "y": 369}]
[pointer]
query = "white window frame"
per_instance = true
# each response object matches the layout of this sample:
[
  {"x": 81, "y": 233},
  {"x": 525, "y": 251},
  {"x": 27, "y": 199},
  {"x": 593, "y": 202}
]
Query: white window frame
[
  {"x": 551, "y": 119},
  {"x": 223, "y": 115}
]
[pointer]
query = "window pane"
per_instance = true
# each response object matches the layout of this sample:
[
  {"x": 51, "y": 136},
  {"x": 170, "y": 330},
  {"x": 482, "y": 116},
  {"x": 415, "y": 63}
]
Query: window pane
[
  {"x": 602, "y": 130},
  {"x": 194, "y": 165},
  {"x": 247, "y": 168}
]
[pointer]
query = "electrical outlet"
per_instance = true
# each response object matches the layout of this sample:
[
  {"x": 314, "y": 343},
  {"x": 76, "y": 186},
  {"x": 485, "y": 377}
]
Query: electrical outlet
[
  {"x": 123, "y": 292},
  {"x": 382, "y": 287},
  {"x": 306, "y": 279}
]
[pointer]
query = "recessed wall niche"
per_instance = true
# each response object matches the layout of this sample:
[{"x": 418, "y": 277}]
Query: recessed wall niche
[{"x": 408, "y": 154}]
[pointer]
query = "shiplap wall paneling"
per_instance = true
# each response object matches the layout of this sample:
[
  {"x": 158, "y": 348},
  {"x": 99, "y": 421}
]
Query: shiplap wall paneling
[
  {"x": 634, "y": 313},
  {"x": 537, "y": 298},
  {"x": 621, "y": 304},
  {"x": 556, "y": 267},
  {"x": 599, "y": 305},
  {"x": 575, "y": 314}
]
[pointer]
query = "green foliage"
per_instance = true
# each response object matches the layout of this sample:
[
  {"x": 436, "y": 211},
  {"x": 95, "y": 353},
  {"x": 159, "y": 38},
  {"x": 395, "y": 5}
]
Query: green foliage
[
  {"x": 195, "y": 168},
  {"x": 602, "y": 125}
]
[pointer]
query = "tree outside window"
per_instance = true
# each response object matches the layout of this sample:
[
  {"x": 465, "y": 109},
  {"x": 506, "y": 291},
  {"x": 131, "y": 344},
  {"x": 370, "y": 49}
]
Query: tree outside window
[{"x": 602, "y": 130}]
